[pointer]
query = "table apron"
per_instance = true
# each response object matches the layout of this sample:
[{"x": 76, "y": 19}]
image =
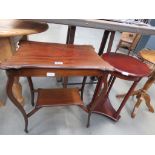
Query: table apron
[{"x": 40, "y": 72}]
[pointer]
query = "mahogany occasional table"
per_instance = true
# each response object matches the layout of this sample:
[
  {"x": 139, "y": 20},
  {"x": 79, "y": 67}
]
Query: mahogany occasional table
[
  {"x": 35, "y": 59},
  {"x": 8, "y": 30}
]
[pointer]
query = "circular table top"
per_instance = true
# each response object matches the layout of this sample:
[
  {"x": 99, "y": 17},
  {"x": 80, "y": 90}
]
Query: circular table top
[
  {"x": 148, "y": 55},
  {"x": 126, "y": 65},
  {"x": 9, "y": 28}
]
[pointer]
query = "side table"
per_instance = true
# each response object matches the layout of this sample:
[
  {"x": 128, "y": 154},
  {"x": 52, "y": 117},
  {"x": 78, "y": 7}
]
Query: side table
[
  {"x": 141, "y": 94},
  {"x": 35, "y": 59}
]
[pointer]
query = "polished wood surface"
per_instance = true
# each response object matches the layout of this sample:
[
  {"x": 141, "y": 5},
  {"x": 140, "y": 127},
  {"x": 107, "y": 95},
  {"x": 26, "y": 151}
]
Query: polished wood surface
[
  {"x": 58, "y": 97},
  {"x": 126, "y": 65},
  {"x": 39, "y": 60},
  {"x": 126, "y": 68},
  {"x": 148, "y": 55},
  {"x": 13, "y": 27},
  {"x": 50, "y": 55},
  {"x": 141, "y": 94},
  {"x": 8, "y": 30},
  {"x": 7, "y": 49}
]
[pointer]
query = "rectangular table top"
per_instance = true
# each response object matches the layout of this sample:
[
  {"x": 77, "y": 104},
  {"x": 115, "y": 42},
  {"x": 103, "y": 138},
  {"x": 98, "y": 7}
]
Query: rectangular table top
[{"x": 56, "y": 56}]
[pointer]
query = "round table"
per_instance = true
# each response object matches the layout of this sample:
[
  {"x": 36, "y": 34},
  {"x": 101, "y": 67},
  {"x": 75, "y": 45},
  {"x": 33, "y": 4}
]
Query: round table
[
  {"x": 8, "y": 30},
  {"x": 147, "y": 56}
]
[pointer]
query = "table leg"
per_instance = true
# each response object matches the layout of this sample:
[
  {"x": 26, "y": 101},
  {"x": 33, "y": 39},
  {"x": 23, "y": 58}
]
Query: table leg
[
  {"x": 10, "y": 94},
  {"x": 103, "y": 42},
  {"x": 1, "y": 103},
  {"x": 70, "y": 40},
  {"x": 141, "y": 94},
  {"x": 71, "y": 34},
  {"x": 7, "y": 48},
  {"x": 97, "y": 99},
  {"x": 103, "y": 105}
]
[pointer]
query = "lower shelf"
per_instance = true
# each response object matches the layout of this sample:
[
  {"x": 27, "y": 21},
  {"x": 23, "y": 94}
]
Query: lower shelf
[{"x": 58, "y": 97}]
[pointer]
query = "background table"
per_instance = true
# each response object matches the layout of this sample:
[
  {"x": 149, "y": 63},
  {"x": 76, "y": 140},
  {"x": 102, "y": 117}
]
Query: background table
[
  {"x": 148, "y": 56},
  {"x": 8, "y": 30}
]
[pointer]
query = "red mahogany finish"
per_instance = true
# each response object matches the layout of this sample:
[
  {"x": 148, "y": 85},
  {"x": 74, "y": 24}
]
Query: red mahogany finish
[
  {"x": 55, "y": 56},
  {"x": 50, "y": 59},
  {"x": 125, "y": 67}
]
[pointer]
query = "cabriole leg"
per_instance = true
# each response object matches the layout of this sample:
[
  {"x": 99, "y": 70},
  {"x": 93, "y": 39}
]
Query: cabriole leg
[{"x": 14, "y": 100}]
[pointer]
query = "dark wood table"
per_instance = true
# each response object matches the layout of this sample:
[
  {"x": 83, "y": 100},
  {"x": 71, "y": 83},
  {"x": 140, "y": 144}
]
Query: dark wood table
[
  {"x": 110, "y": 27},
  {"x": 35, "y": 59},
  {"x": 149, "y": 57}
]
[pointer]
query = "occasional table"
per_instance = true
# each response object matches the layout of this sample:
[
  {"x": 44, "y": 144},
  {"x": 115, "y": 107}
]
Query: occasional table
[
  {"x": 141, "y": 94},
  {"x": 8, "y": 30},
  {"x": 110, "y": 27},
  {"x": 35, "y": 59}
]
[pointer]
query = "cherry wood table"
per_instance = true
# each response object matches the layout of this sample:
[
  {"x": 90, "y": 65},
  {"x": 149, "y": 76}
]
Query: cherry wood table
[
  {"x": 110, "y": 27},
  {"x": 35, "y": 59},
  {"x": 8, "y": 30},
  {"x": 149, "y": 57}
]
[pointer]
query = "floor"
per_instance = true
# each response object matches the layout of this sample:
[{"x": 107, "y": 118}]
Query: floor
[{"x": 72, "y": 120}]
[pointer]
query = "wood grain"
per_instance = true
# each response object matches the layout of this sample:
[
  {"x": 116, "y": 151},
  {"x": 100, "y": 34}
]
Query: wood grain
[
  {"x": 148, "y": 55},
  {"x": 127, "y": 65},
  {"x": 52, "y": 55},
  {"x": 55, "y": 97},
  {"x": 12, "y": 27}
]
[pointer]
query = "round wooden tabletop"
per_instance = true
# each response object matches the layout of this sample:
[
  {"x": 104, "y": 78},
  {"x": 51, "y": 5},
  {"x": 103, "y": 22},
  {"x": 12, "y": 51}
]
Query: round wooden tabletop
[
  {"x": 126, "y": 65},
  {"x": 12, "y": 27},
  {"x": 148, "y": 55}
]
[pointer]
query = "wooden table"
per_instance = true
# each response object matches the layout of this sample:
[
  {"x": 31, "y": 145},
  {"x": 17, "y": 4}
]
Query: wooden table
[
  {"x": 35, "y": 59},
  {"x": 109, "y": 26},
  {"x": 8, "y": 30},
  {"x": 141, "y": 94},
  {"x": 104, "y": 24}
]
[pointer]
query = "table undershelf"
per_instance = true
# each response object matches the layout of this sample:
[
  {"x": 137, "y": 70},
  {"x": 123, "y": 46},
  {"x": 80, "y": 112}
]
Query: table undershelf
[{"x": 58, "y": 97}]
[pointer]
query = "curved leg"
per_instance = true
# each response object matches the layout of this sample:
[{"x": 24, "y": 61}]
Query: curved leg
[
  {"x": 1, "y": 103},
  {"x": 17, "y": 91},
  {"x": 135, "y": 109},
  {"x": 98, "y": 99},
  {"x": 15, "y": 101},
  {"x": 132, "y": 94},
  {"x": 31, "y": 89},
  {"x": 7, "y": 49},
  {"x": 147, "y": 101},
  {"x": 33, "y": 111},
  {"x": 97, "y": 90}
]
